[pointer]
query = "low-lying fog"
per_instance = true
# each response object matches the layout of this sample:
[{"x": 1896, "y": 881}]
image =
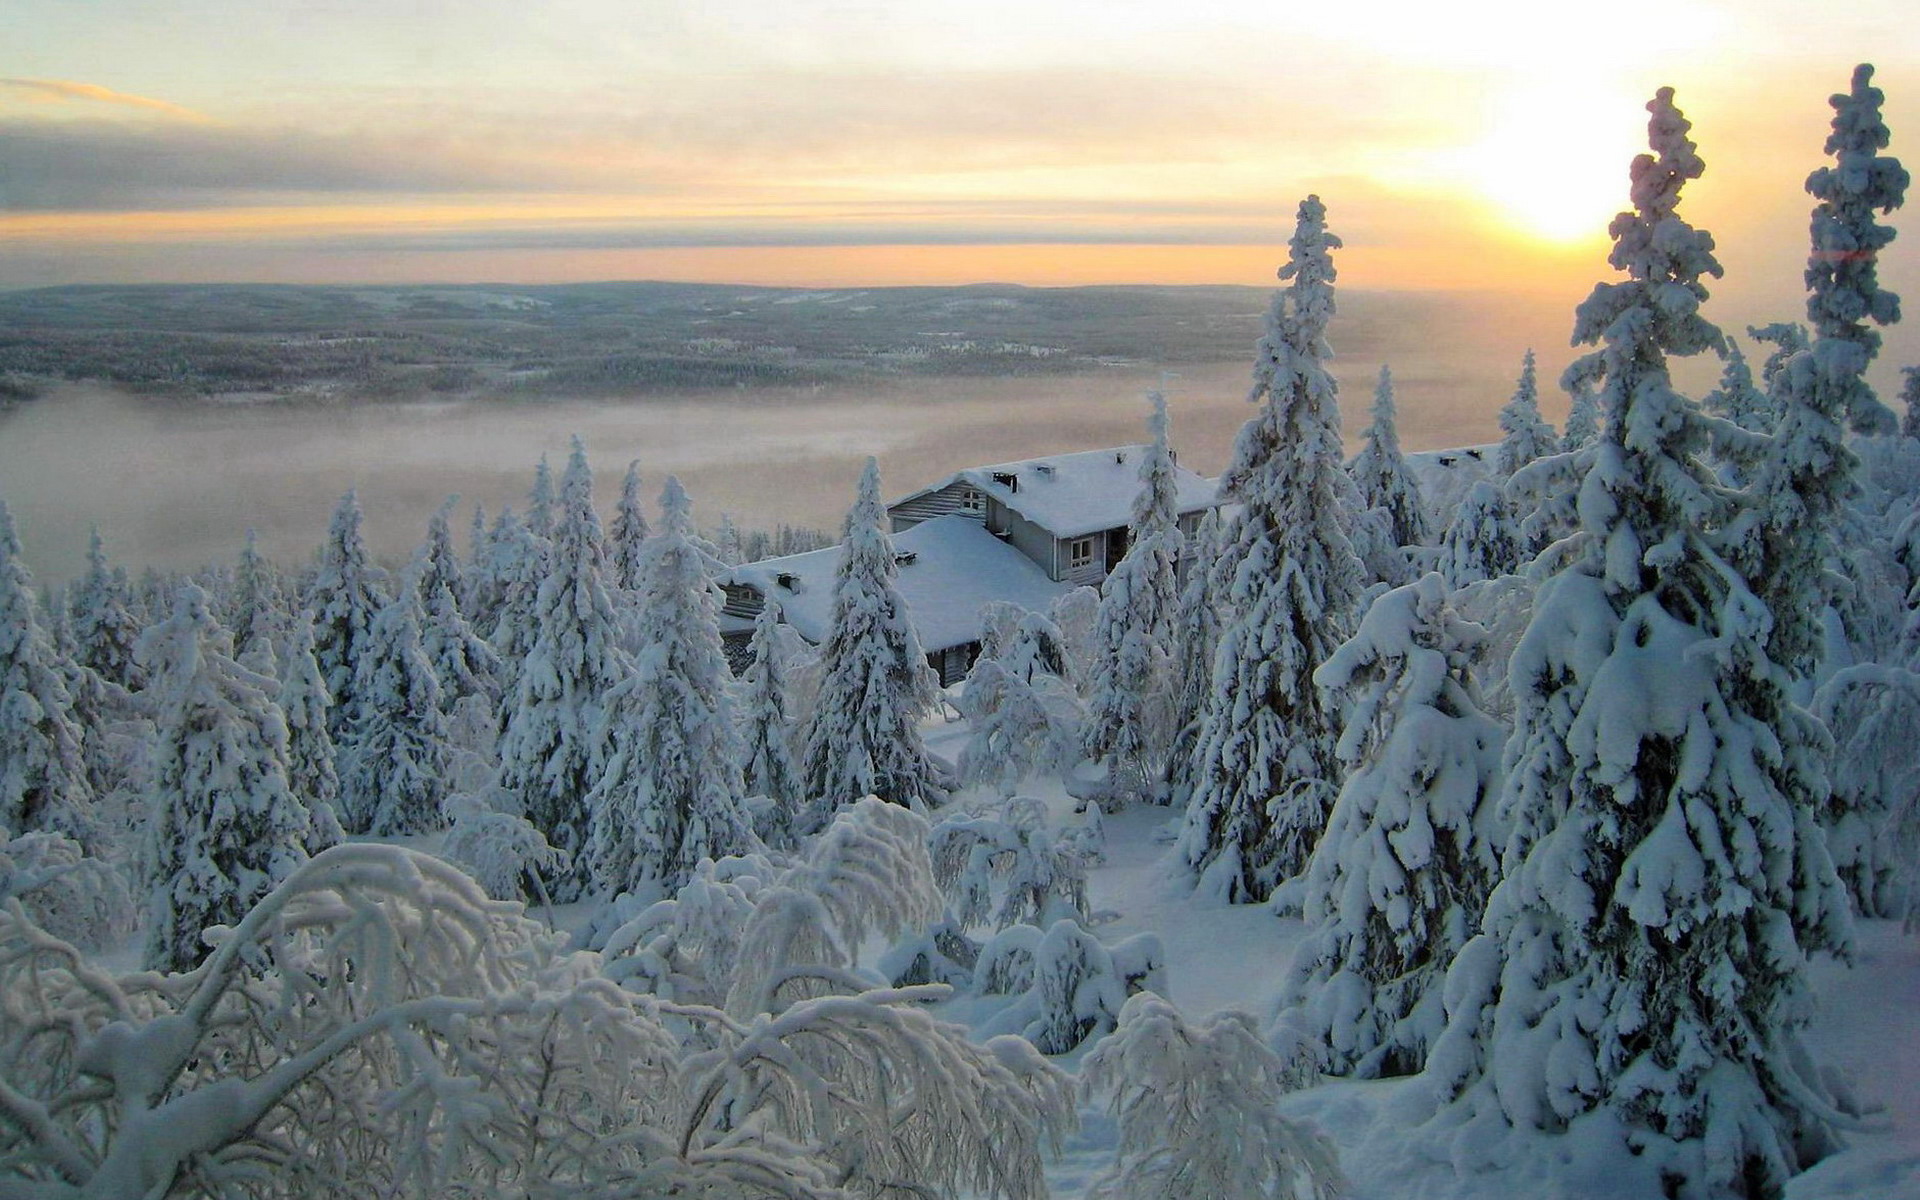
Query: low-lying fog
[{"x": 174, "y": 484}]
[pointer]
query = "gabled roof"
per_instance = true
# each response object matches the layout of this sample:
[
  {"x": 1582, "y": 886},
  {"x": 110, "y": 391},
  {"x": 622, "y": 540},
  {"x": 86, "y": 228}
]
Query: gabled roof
[
  {"x": 956, "y": 567},
  {"x": 1070, "y": 495}
]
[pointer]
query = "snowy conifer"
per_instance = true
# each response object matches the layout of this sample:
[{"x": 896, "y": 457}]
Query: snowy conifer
[
  {"x": 1482, "y": 542},
  {"x": 438, "y": 562},
  {"x": 1129, "y": 693},
  {"x": 629, "y": 532},
  {"x": 540, "y": 502},
  {"x": 1527, "y": 434},
  {"x": 1910, "y": 403},
  {"x": 395, "y": 760},
  {"x": 1642, "y": 970},
  {"x": 347, "y": 593},
  {"x": 516, "y": 565},
  {"x": 104, "y": 630},
  {"x": 1737, "y": 398},
  {"x": 1806, "y": 472},
  {"x": 304, "y": 702},
  {"x": 551, "y": 724},
  {"x": 1412, "y": 850},
  {"x": 726, "y": 542},
  {"x": 766, "y": 735},
  {"x": 1583, "y": 416},
  {"x": 875, "y": 685},
  {"x": 223, "y": 826},
  {"x": 1787, "y": 338},
  {"x": 1381, "y": 473},
  {"x": 1266, "y": 770},
  {"x": 257, "y": 609},
  {"x": 1197, "y": 636},
  {"x": 43, "y": 761},
  {"x": 461, "y": 659},
  {"x": 670, "y": 793}
]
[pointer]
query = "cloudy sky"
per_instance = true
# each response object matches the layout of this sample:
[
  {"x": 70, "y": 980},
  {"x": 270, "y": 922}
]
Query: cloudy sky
[{"x": 838, "y": 142}]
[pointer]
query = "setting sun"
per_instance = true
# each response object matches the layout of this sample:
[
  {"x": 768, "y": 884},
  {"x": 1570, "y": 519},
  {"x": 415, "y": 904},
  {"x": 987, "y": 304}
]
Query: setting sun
[{"x": 1555, "y": 159}]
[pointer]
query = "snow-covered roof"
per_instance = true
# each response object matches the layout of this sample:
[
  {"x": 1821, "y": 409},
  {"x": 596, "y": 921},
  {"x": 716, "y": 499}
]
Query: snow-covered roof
[
  {"x": 956, "y": 566},
  {"x": 1445, "y": 476},
  {"x": 1069, "y": 495}
]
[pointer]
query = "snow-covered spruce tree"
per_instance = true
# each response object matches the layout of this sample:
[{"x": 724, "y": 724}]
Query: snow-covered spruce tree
[
  {"x": 540, "y": 499},
  {"x": 1401, "y": 879},
  {"x": 1738, "y": 398},
  {"x": 1641, "y": 973},
  {"x": 1527, "y": 434},
  {"x": 1583, "y": 416},
  {"x": 437, "y": 562},
  {"x": 1197, "y": 1113},
  {"x": 347, "y": 593},
  {"x": 1910, "y": 402},
  {"x": 104, "y": 630},
  {"x": 515, "y": 569},
  {"x": 1787, "y": 338},
  {"x": 43, "y": 761},
  {"x": 629, "y": 532},
  {"x": 670, "y": 789},
  {"x": 1129, "y": 693},
  {"x": 461, "y": 659},
  {"x": 223, "y": 826},
  {"x": 768, "y": 768},
  {"x": 1380, "y": 472},
  {"x": 1266, "y": 768},
  {"x": 1482, "y": 542},
  {"x": 1209, "y": 573},
  {"x": 552, "y": 723},
  {"x": 257, "y": 609},
  {"x": 875, "y": 685},
  {"x": 395, "y": 761},
  {"x": 1805, "y": 473},
  {"x": 304, "y": 702}
]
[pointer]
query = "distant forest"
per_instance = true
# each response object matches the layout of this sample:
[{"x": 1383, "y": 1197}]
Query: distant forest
[{"x": 621, "y": 339}]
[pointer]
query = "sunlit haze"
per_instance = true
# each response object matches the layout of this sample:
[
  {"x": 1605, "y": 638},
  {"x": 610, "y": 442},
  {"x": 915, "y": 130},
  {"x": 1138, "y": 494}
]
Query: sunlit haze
[{"x": 1457, "y": 146}]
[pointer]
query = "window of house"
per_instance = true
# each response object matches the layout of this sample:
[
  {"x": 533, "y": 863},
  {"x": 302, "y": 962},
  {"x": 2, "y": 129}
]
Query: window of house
[
  {"x": 1079, "y": 553},
  {"x": 972, "y": 500}
]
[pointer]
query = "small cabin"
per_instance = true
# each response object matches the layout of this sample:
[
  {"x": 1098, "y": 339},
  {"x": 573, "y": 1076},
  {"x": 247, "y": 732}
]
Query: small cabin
[
  {"x": 946, "y": 568},
  {"x": 1069, "y": 514}
]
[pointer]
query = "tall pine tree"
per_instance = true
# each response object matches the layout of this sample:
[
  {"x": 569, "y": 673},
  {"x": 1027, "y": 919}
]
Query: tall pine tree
[
  {"x": 1130, "y": 691},
  {"x": 1266, "y": 768},
  {"x": 223, "y": 827},
  {"x": 670, "y": 792},
  {"x": 43, "y": 762},
  {"x": 1380, "y": 472},
  {"x": 1642, "y": 968},
  {"x": 875, "y": 685},
  {"x": 549, "y": 753}
]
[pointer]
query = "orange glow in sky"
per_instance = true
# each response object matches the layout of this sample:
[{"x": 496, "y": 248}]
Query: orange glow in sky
[{"x": 1482, "y": 144}]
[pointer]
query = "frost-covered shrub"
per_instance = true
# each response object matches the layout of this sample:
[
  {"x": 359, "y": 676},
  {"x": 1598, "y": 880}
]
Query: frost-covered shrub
[
  {"x": 1074, "y": 986},
  {"x": 686, "y": 947},
  {"x": 503, "y": 851},
  {"x": 1011, "y": 868},
  {"x": 942, "y": 953},
  {"x": 73, "y": 896},
  {"x": 1873, "y": 818},
  {"x": 1196, "y": 1109}
]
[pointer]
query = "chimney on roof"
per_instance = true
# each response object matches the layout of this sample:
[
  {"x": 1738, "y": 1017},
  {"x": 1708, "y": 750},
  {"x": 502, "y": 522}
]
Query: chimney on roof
[
  {"x": 1007, "y": 479},
  {"x": 1119, "y": 457},
  {"x": 1045, "y": 469},
  {"x": 904, "y": 558},
  {"x": 787, "y": 580}
]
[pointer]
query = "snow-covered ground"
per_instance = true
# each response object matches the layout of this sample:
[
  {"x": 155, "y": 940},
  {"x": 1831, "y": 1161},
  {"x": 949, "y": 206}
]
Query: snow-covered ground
[{"x": 1867, "y": 1032}]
